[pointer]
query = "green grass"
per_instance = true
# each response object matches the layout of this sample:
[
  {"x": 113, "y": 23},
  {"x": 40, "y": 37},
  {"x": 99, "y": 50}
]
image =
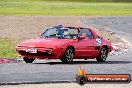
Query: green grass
[
  {"x": 7, "y": 48},
  {"x": 78, "y": 0},
  {"x": 40, "y": 7}
]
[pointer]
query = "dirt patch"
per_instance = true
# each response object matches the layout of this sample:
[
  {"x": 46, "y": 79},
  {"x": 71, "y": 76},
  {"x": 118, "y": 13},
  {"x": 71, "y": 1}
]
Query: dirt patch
[
  {"x": 24, "y": 27},
  {"x": 20, "y": 28},
  {"x": 109, "y": 35}
]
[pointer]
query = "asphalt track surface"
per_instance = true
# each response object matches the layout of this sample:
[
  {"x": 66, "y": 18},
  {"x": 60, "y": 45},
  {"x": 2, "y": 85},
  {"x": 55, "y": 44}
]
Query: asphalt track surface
[{"x": 43, "y": 71}]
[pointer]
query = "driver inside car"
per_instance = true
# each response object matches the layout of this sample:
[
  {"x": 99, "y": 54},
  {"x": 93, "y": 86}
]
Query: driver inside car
[{"x": 67, "y": 34}]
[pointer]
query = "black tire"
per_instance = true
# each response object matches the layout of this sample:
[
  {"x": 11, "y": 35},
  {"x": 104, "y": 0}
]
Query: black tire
[
  {"x": 28, "y": 60},
  {"x": 102, "y": 55},
  {"x": 68, "y": 56}
]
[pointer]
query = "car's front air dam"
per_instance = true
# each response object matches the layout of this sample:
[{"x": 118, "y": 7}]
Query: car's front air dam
[{"x": 41, "y": 53}]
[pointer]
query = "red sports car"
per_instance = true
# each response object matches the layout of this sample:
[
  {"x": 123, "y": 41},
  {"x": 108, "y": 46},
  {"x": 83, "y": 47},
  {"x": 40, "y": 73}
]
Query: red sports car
[{"x": 66, "y": 44}]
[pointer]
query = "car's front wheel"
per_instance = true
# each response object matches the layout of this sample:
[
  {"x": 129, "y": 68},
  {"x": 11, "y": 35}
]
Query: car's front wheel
[
  {"x": 68, "y": 56},
  {"x": 102, "y": 55},
  {"x": 28, "y": 60}
]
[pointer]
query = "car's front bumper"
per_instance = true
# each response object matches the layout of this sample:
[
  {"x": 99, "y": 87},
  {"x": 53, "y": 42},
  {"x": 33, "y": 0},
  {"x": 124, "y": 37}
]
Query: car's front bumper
[{"x": 41, "y": 53}]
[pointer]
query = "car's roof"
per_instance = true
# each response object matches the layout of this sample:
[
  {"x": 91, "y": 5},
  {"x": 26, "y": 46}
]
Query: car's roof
[{"x": 75, "y": 27}]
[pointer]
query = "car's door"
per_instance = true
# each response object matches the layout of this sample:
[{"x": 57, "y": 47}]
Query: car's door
[{"x": 87, "y": 47}]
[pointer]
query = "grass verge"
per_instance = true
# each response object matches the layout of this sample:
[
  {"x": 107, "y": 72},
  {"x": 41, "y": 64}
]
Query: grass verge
[
  {"x": 7, "y": 48},
  {"x": 30, "y": 7}
]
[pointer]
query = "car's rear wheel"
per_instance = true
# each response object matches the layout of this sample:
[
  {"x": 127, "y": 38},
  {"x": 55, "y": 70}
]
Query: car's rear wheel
[
  {"x": 102, "y": 55},
  {"x": 28, "y": 60},
  {"x": 68, "y": 56}
]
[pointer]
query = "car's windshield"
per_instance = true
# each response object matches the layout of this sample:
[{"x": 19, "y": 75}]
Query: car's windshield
[{"x": 61, "y": 33}]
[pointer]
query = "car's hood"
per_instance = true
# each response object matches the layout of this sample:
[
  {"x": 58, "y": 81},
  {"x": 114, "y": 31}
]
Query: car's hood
[{"x": 44, "y": 42}]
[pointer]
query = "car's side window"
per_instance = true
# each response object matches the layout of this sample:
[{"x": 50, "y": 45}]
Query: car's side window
[
  {"x": 73, "y": 33},
  {"x": 86, "y": 32}
]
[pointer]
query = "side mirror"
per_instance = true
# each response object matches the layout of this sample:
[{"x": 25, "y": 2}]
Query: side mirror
[{"x": 82, "y": 37}]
